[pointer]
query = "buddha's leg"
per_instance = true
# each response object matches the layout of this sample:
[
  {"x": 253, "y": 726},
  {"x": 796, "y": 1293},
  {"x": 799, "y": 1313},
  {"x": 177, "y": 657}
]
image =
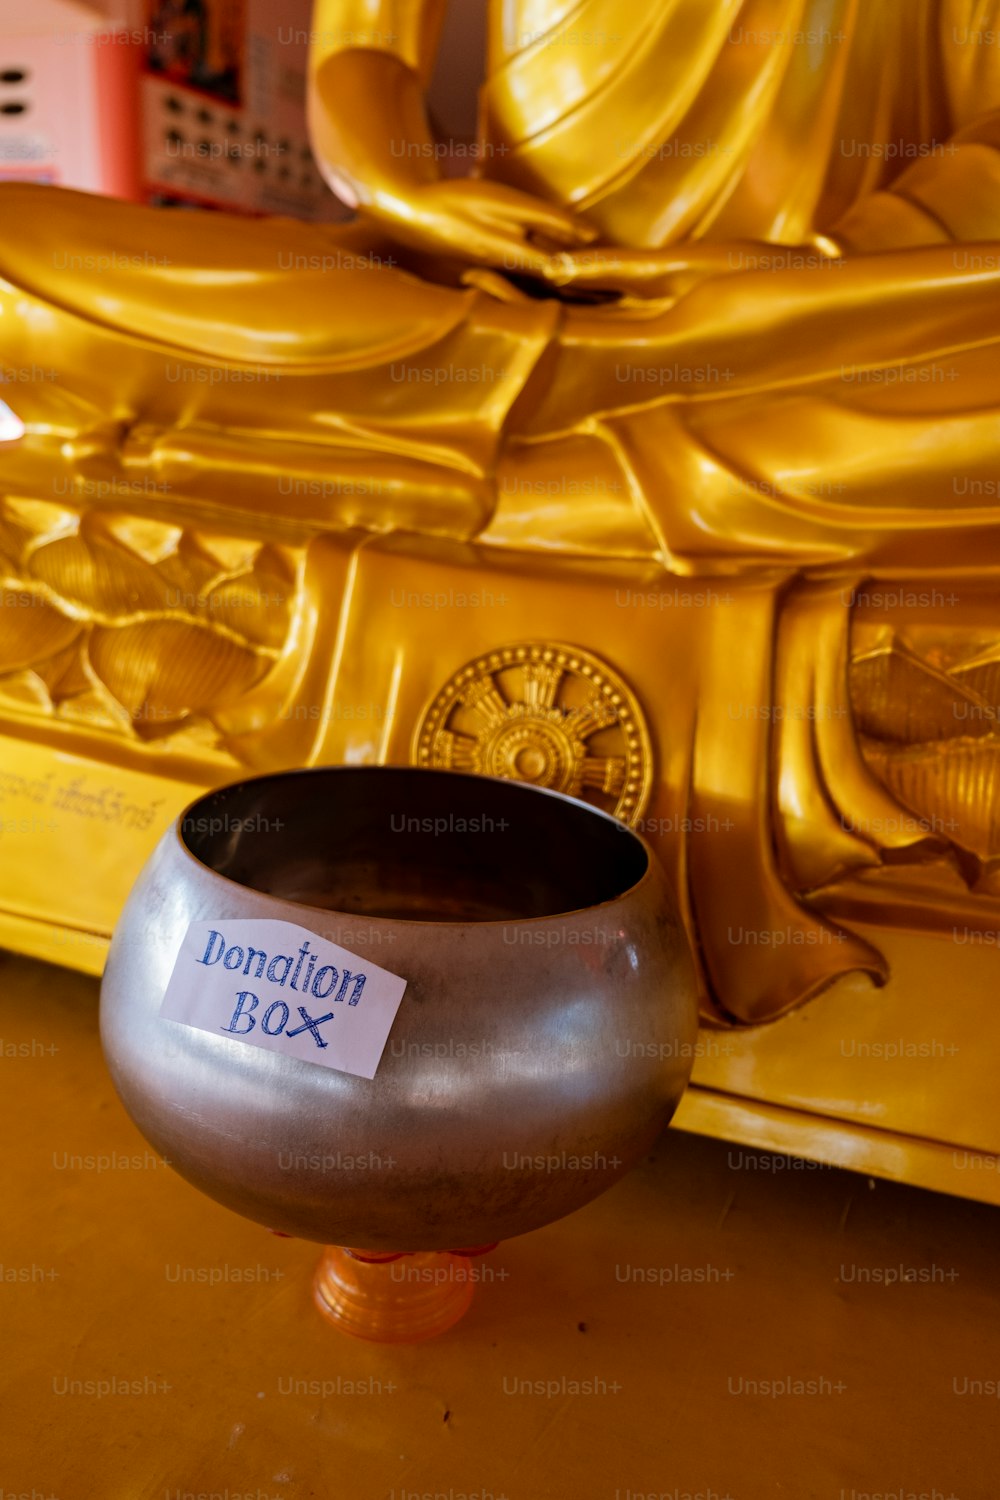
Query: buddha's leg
[
  {"x": 824, "y": 480},
  {"x": 832, "y": 332},
  {"x": 401, "y": 442},
  {"x": 212, "y": 359}
]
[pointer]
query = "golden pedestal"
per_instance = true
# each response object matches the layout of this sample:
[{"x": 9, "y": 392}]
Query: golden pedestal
[{"x": 895, "y": 1082}]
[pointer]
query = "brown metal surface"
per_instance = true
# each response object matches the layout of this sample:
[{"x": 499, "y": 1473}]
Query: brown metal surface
[{"x": 546, "y": 1033}]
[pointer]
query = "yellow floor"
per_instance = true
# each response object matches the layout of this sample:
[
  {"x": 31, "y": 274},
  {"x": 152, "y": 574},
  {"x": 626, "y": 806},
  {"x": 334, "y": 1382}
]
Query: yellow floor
[{"x": 642, "y": 1319}]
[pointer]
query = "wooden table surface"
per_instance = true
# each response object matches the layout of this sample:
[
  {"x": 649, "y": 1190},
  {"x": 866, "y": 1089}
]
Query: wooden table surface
[{"x": 721, "y": 1324}]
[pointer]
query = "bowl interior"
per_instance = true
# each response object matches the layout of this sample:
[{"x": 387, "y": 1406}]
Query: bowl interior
[{"x": 407, "y": 843}]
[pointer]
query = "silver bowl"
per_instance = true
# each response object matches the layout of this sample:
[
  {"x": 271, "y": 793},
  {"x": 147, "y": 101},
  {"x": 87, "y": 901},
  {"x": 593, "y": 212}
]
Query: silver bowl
[{"x": 544, "y": 1038}]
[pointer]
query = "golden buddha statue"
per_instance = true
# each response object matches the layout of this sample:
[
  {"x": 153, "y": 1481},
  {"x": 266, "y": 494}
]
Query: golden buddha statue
[{"x": 716, "y": 318}]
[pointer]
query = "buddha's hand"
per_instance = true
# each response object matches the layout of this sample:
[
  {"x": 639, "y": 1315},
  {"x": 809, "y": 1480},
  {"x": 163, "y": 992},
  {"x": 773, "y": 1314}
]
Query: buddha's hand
[
  {"x": 370, "y": 134},
  {"x": 676, "y": 269},
  {"x": 484, "y": 223}
]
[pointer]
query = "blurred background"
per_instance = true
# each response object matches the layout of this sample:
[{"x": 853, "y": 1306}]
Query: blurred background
[{"x": 191, "y": 103}]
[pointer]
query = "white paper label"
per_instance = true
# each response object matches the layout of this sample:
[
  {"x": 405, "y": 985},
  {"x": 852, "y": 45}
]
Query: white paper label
[{"x": 280, "y": 986}]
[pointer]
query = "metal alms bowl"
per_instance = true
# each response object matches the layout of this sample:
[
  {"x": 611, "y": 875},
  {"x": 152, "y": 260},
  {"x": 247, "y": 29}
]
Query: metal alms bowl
[{"x": 544, "y": 1038}]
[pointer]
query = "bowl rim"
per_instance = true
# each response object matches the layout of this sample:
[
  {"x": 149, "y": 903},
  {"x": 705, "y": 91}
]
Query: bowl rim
[{"x": 577, "y": 803}]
